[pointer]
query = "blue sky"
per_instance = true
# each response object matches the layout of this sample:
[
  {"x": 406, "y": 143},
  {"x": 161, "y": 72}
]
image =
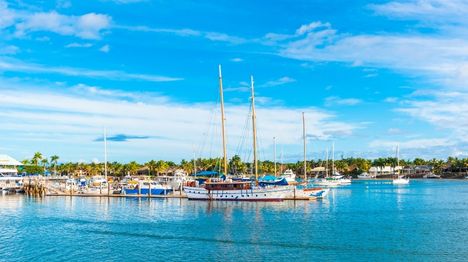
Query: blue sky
[{"x": 368, "y": 74}]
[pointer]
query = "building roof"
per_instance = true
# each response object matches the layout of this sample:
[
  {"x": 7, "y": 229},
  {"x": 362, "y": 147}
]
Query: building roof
[{"x": 6, "y": 160}]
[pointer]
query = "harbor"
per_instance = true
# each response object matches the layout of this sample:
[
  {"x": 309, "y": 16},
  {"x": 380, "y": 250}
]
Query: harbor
[{"x": 417, "y": 222}]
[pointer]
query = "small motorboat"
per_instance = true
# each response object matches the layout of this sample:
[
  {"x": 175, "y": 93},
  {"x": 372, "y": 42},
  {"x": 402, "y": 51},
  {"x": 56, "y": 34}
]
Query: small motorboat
[
  {"x": 431, "y": 176},
  {"x": 401, "y": 181}
]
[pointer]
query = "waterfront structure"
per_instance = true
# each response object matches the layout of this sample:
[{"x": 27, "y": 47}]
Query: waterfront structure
[
  {"x": 9, "y": 166},
  {"x": 9, "y": 179}
]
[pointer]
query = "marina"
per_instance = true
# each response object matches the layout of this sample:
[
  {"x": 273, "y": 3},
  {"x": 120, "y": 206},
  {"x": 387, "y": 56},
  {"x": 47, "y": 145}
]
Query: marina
[{"x": 417, "y": 221}]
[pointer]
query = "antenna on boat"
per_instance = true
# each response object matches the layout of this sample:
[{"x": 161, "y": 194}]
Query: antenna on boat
[
  {"x": 305, "y": 145},
  {"x": 254, "y": 127},
  {"x": 274, "y": 145},
  {"x": 105, "y": 154},
  {"x": 223, "y": 120}
]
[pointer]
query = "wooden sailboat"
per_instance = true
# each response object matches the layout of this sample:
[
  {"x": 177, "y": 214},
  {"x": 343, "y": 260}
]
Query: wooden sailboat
[{"x": 229, "y": 190}]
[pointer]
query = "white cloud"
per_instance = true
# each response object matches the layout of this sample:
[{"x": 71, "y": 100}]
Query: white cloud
[
  {"x": 74, "y": 119},
  {"x": 63, "y": 4},
  {"x": 425, "y": 10},
  {"x": 394, "y": 131},
  {"x": 79, "y": 45},
  {"x": 88, "y": 26},
  {"x": 438, "y": 58},
  {"x": 187, "y": 32},
  {"x": 7, "y": 16},
  {"x": 280, "y": 81},
  {"x": 12, "y": 65},
  {"x": 444, "y": 110},
  {"x": 335, "y": 100},
  {"x": 391, "y": 99},
  {"x": 105, "y": 49},
  {"x": 9, "y": 50},
  {"x": 424, "y": 143},
  {"x": 237, "y": 60}
]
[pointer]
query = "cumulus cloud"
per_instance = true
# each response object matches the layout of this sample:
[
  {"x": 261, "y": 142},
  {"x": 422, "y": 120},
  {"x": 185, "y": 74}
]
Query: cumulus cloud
[
  {"x": 87, "y": 26},
  {"x": 79, "y": 45},
  {"x": 105, "y": 49},
  {"x": 74, "y": 119},
  {"x": 280, "y": 81},
  {"x": 13, "y": 65},
  {"x": 335, "y": 100}
]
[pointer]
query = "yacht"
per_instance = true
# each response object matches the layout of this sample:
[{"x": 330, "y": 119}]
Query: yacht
[
  {"x": 365, "y": 175},
  {"x": 146, "y": 188},
  {"x": 229, "y": 190},
  {"x": 236, "y": 191},
  {"x": 431, "y": 176},
  {"x": 97, "y": 186},
  {"x": 401, "y": 181},
  {"x": 289, "y": 176}
]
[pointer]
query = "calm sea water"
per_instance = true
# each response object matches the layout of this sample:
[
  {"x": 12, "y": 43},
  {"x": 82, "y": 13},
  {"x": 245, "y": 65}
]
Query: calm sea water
[{"x": 367, "y": 221}]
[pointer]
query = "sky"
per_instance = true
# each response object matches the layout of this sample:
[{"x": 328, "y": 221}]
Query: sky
[{"x": 368, "y": 75}]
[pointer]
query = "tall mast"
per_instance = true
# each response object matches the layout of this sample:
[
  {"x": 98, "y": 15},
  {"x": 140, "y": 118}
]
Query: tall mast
[
  {"x": 274, "y": 144},
  {"x": 281, "y": 160},
  {"x": 326, "y": 164},
  {"x": 333, "y": 158},
  {"x": 305, "y": 145},
  {"x": 223, "y": 120},
  {"x": 105, "y": 153},
  {"x": 397, "y": 156},
  {"x": 254, "y": 129}
]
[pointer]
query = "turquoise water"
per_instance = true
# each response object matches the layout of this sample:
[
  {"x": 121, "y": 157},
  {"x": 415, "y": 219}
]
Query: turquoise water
[{"x": 367, "y": 221}]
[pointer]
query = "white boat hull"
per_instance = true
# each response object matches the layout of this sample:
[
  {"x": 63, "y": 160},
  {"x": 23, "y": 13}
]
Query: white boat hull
[
  {"x": 401, "y": 181},
  {"x": 256, "y": 194}
]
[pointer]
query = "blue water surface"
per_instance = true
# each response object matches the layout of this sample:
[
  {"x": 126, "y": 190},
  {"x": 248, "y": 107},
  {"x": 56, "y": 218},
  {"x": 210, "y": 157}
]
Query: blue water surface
[{"x": 366, "y": 221}]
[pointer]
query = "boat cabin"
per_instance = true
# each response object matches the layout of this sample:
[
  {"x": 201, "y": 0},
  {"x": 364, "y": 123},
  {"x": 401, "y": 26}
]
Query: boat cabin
[{"x": 228, "y": 185}]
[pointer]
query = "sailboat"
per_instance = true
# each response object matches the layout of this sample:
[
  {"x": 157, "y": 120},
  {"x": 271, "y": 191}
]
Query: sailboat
[
  {"x": 309, "y": 192},
  {"x": 400, "y": 179},
  {"x": 98, "y": 185},
  {"x": 229, "y": 190}
]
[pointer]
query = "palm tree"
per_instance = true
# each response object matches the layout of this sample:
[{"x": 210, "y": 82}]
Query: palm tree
[
  {"x": 151, "y": 165},
  {"x": 44, "y": 163},
  {"x": 53, "y": 160},
  {"x": 161, "y": 166},
  {"x": 37, "y": 156}
]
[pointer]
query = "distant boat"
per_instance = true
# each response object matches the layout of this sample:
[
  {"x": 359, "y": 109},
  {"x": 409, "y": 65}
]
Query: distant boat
[
  {"x": 400, "y": 180},
  {"x": 97, "y": 186},
  {"x": 272, "y": 181},
  {"x": 316, "y": 193},
  {"x": 289, "y": 176},
  {"x": 147, "y": 187},
  {"x": 365, "y": 175},
  {"x": 431, "y": 176}
]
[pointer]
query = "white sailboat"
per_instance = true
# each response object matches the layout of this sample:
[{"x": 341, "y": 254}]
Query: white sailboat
[
  {"x": 229, "y": 190},
  {"x": 309, "y": 192},
  {"x": 399, "y": 180}
]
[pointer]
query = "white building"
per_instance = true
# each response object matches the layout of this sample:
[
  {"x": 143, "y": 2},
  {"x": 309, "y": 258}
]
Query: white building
[
  {"x": 8, "y": 174},
  {"x": 386, "y": 170},
  {"x": 8, "y": 166}
]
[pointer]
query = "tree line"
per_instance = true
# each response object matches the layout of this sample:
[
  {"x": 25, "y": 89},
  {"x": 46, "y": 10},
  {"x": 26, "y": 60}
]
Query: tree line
[{"x": 39, "y": 164}]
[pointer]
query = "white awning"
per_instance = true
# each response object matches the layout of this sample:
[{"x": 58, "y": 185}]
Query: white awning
[{"x": 6, "y": 160}]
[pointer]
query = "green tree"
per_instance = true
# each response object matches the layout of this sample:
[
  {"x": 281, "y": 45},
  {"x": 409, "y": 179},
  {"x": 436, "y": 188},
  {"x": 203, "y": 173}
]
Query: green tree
[{"x": 53, "y": 161}]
